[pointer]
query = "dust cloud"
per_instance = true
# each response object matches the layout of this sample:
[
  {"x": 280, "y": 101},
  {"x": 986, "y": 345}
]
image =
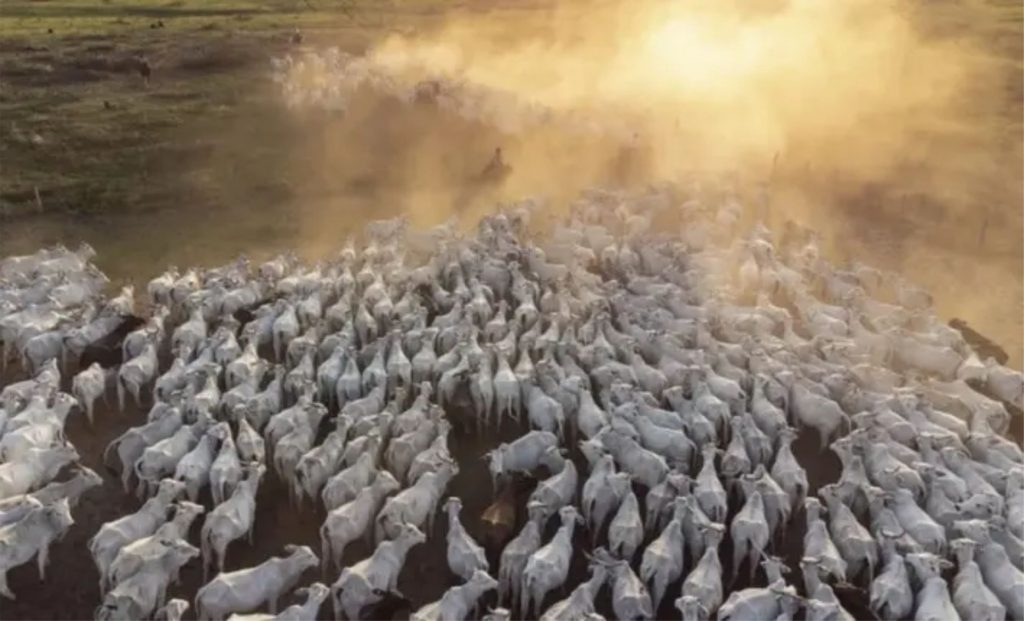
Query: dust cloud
[{"x": 892, "y": 133}]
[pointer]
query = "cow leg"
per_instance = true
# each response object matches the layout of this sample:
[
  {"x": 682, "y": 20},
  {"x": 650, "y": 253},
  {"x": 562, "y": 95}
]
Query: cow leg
[
  {"x": 42, "y": 558},
  {"x": 4, "y": 590},
  {"x": 738, "y": 553},
  {"x": 339, "y": 551},
  {"x": 120, "y": 394},
  {"x": 222, "y": 551}
]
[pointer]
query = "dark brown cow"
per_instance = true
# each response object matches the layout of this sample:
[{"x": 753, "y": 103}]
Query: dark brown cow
[{"x": 501, "y": 519}]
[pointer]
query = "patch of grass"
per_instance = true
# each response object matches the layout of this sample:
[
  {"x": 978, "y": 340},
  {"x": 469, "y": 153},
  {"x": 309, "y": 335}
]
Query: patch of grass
[{"x": 81, "y": 130}]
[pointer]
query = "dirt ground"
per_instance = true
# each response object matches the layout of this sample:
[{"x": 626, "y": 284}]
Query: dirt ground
[
  {"x": 71, "y": 588},
  {"x": 202, "y": 164}
]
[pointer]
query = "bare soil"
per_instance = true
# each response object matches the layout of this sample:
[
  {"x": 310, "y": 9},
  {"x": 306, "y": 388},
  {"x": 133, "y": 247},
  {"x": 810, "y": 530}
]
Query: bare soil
[{"x": 71, "y": 591}]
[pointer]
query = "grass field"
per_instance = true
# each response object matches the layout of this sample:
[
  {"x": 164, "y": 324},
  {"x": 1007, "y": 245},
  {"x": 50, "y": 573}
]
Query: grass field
[{"x": 82, "y": 131}]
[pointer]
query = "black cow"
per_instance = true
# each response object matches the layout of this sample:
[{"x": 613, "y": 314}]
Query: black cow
[
  {"x": 393, "y": 605},
  {"x": 107, "y": 350},
  {"x": 981, "y": 344}
]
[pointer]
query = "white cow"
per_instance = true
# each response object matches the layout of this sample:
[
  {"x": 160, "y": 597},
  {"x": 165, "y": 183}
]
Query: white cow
[
  {"x": 194, "y": 467},
  {"x": 626, "y": 531},
  {"x": 662, "y": 562},
  {"x": 457, "y": 602},
  {"x": 548, "y": 567},
  {"x": 32, "y": 536},
  {"x": 231, "y": 519},
  {"x": 17, "y": 443},
  {"x": 136, "y": 373},
  {"x": 315, "y": 595},
  {"x": 171, "y": 611},
  {"x": 113, "y": 536},
  {"x": 161, "y": 459},
  {"x": 135, "y": 556},
  {"x": 352, "y": 520},
  {"x": 522, "y": 455},
  {"x": 320, "y": 462},
  {"x": 630, "y": 599},
  {"x": 226, "y": 469},
  {"x": 140, "y": 594},
  {"x": 415, "y": 505},
  {"x": 518, "y": 552},
  {"x": 35, "y": 468},
  {"x": 88, "y": 386},
  {"x": 250, "y": 445},
  {"x": 365, "y": 582},
  {"x": 83, "y": 480},
  {"x": 344, "y": 486},
  {"x": 465, "y": 556},
  {"x": 132, "y": 443},
  {"x": 247, "y": 589}
]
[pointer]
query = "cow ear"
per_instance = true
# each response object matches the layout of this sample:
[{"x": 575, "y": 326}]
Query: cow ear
[{"x": 290, "y": 548}]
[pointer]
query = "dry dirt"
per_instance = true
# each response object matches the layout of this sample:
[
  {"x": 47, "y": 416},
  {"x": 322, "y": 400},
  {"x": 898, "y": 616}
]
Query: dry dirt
[{"x": 71, "y": 588}]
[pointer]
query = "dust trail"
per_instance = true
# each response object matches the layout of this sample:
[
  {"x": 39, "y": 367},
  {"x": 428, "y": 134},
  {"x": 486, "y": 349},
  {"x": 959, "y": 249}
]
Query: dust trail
[
  {"x": 851, "y": 87},
  {"x": 871, "y": 120}
]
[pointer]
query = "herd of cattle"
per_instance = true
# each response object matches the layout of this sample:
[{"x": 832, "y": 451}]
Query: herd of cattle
[{"x": 656, "y": 382}]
